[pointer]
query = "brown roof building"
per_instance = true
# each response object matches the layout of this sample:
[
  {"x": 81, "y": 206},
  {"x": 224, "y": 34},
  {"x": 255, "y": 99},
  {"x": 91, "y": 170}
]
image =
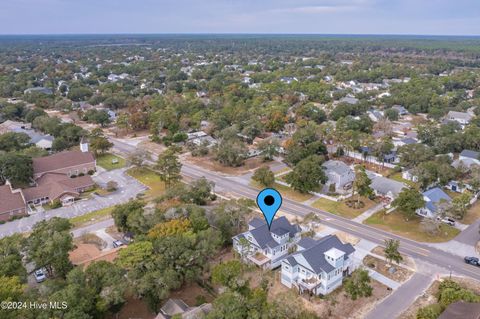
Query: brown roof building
[
  {"x": 12, "y": 202},
  {"x": 53, "y": 186},
  {"x": 69, "y": 163}
]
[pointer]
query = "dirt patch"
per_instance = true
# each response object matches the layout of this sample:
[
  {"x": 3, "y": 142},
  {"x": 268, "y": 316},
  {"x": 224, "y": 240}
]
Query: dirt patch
[
  {"x": 191, "y": 294},
  {"x": 83, "y": 252},
  {"x": 336, "y": 305},
  {"x": 381, "y": 266},
  {"x": 93, "y": 239},
  {"x": 114, "y": 232},
  {"x": 407, "y": 261},
  {"x": 152, "y": 147},
  {"x": 347, "y": 238},
  {"x": 209, "y": 163},
  {"x": 134, "y": 309},
  {"x": 429, "y": 297}
]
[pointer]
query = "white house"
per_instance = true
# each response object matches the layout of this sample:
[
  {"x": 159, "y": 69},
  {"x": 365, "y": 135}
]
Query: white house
[
  {"x": 462, "y": 118},
  {"x": 433, "y": 197},
  {"x": 319, "y": 266},
  {"x": 339, "y": 174},
  {"x": 267, "y": 247},
  {"x": 385, "y": 187}
]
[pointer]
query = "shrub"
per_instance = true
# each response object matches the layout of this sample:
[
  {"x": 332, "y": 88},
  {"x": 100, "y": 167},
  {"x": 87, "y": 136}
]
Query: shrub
[
  {"x": 56, "y": 204},
  {"x": 91, "y": 172},
  {"x": 81, "y": 174}
]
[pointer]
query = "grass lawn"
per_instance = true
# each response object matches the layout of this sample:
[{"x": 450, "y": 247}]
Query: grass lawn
[
  {"x": 472, "y": 214},
  {"x": 150, "y": 179},
  {"x": 285, "y": 191},
  {"x": 340, "y": 208},
  {"x": 395, "y": 223},
  {"x": 91, "y": 217},
  {"x": 105, "y": 161},
  {"x": 398, "y": 177}
]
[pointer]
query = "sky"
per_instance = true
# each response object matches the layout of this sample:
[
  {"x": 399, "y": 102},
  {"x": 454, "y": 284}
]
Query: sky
[{"x": 426, "y": 17}]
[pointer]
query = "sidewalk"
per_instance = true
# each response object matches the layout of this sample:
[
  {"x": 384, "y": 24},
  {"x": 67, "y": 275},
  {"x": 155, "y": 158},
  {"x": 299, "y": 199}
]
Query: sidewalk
[
  {"x": 384, "y": 280},
  {"x": 360, "y": 218}
]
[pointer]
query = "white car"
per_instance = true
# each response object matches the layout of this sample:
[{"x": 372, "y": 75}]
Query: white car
[
  {"x": 39, "y": 275},
  {"x": 117, "y": 243},
  {"x": 447, "y": 220}
]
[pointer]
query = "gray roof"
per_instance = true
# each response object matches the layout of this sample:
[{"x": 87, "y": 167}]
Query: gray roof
[
  {"x": 315, "y": 254},
  {"x": 256, "y": 222},
  {"x": 385, "y": 185},
  {"x": 337, "y": 167},
  {"x": 263, "y": 236},
  {"x": 349, "y": 100},
  {"x": 409, "y": 140},
  {"x": 470, "y": 154},
  {"x": 307, "y": 242}
]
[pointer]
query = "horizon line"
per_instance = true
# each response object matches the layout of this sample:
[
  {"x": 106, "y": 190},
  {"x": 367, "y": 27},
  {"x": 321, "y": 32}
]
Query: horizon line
[{"x": 236, "y": 33}]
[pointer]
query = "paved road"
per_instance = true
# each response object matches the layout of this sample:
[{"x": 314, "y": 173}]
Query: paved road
[
  {"x": 409, "y": 247},
  {"x": 128, "y": 188},
  {"x": 399, "y": 300},
  {"x": 420, "y": 251}
]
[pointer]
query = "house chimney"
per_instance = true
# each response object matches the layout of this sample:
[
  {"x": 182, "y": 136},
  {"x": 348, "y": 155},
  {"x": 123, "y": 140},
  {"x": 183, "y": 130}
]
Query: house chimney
[{"x": 84, "y": 145}]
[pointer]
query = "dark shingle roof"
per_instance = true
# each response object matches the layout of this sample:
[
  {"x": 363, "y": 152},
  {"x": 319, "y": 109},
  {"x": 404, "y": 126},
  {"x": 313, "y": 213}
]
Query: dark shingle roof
[
  {"x": 315, "y": 254},
  {"x": 263, "y": 236}
]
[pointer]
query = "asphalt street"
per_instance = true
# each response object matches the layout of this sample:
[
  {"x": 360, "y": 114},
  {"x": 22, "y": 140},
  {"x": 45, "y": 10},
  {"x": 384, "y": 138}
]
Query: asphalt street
[{"x": 409, "y": 247}]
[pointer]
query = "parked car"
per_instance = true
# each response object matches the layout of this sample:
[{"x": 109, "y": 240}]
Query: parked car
[
  {"x": 447, "y": 220},
  {"x": 117, "y": 243},
  {"x": 472, "y": 261},
  {"x": 39, "y": 275}
]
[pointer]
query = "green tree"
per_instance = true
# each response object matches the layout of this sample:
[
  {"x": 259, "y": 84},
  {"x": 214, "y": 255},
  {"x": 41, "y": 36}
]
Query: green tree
[
  {"x": 107, "y": 282},
  {"x": 130, "y": 217},
  {"x": 269, "y": 149},
  {"x": 391, "y": 251},
  {"x": 34, "y": 113},
  {"x": 358, "y": 285},
  {"x": 228, "y": 274},
  {"x": 16, "y": 168},
  {"x": 408, "y": 201},
  {"x": 231, "y": 152},
  {"x": 460, "y": 206},
  {"x": 169, "y": 167},
  {"x": 12, "y": 141},
  {"x": 100, "y": 144},
  {"x": 49, "y": 244},
  {"x": 264, "y": 176},
  {"x": 199, "y": 192},
  {"x": 11, "y": 289},
  {"x": 308, "y": 174},
  {"x": 361, "y": 184},
  {"x": 11, "y": 264}
]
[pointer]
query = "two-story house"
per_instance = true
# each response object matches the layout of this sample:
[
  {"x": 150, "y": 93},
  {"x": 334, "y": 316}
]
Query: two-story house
[
  {"x": 267, "y": 247},
  {"x": 319, "y": 266},
  {"x": 339, "y": 174}
]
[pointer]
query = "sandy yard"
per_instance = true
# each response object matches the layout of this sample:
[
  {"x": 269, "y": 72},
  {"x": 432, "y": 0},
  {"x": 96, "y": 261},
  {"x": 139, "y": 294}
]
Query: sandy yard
[
  {"x": 208, "y": 162},
  {"x": 347, "y": 238},
  {"x": 381, "y": 266},
  {"x": 407, "y": 261},
  {"x": 83, "y": 252},
  {"x": 429, "y": 298},
  {"x": 336, "y": 305}
]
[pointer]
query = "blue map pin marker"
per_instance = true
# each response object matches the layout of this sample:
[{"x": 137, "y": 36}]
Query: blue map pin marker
[{"x": 269, "y": 201}]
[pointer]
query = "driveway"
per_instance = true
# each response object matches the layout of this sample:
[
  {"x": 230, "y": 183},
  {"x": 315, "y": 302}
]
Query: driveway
[
  {"x": 401, "y": 298},
  {"x": 128, "y": 188}
]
